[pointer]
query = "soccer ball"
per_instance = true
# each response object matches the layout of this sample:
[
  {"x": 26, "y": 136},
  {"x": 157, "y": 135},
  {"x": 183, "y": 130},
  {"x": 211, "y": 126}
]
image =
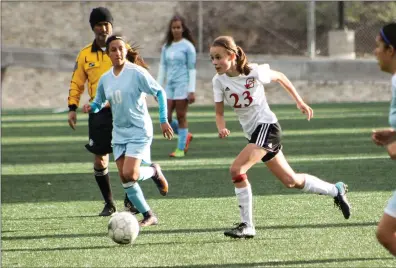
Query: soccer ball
[{"x": 123, "y": 228}]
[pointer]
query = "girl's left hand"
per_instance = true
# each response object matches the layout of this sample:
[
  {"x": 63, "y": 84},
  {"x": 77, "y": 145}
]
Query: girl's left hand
[
  {"x": 86, "y": 108},
  {"x": 305, "y": 109},
  {"x": 167, "y": 130},
  {"x": 191, "y": 98}
]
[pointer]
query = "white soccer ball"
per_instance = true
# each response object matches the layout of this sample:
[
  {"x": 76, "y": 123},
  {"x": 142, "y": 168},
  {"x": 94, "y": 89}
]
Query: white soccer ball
[{"x": 123, "y": 228}]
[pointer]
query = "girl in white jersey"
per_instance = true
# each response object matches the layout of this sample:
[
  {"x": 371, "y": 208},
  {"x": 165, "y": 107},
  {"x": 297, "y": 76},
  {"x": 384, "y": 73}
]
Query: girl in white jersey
[
  {"x": 125, "y": 86},
  {"x": 240, "y": 84},
  {"x": 385, "y": 52}
]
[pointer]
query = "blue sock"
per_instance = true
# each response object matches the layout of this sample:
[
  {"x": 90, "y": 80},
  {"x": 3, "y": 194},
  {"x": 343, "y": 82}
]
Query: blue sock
[
  {"x": 175, "y": 125},
  {"x": 181, "y": 144},
  {"x": 146, "y": 173},
  {"x": 135, "y": 195}
]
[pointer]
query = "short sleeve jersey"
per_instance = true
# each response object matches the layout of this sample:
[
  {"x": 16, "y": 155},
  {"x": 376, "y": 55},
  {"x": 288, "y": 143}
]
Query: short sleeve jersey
[{"x": 246, "y": 95}]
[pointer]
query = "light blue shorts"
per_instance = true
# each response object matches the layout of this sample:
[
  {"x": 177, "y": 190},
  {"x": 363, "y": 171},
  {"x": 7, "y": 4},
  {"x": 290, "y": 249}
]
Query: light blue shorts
[
  {"x": 176, "y": 91},
  {"x": 137, "y": 150},
  {"x": 391, "y": 207}
]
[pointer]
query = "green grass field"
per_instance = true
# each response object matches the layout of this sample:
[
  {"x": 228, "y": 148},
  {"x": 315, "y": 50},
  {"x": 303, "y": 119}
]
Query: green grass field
[{"x": 50, "y": 199}]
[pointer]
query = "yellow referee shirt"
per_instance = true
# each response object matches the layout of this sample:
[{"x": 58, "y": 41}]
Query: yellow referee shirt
[{"x": 91, "y": 63}]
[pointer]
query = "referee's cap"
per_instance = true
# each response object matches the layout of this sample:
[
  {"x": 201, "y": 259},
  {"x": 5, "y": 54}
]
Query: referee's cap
[{"x": 100, "y": 14}]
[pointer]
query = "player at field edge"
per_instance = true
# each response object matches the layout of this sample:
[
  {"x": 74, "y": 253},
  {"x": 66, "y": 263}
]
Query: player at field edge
[
  {"x": 240, "y": 84},
  {"x": 177, "y": 68},
  {"x": 385, "y": 52},
  {"x": 125, "y": 86}
]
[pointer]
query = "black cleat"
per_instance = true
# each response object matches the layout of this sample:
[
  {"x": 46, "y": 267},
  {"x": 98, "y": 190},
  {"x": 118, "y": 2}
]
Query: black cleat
[
  {"x": 242, "y": 230},
  {"x": 160, "y": 180},
  {"x": 341, "y": 200},
  {"x": 108, "y": 210},
  {"x": 128, "y": 206}
]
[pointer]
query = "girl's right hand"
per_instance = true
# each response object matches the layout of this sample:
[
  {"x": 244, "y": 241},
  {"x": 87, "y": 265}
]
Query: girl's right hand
[
  {"x": 223, "y": 133},
  {"x": 86, "y": 108},
  {"x": 167, "y": 130},
  {"x": 305, "y": 109}
]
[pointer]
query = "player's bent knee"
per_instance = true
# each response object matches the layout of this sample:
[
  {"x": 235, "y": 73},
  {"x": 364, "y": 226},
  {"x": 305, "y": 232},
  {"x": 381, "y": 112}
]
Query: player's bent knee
[
  {"x": 130, "y": 175},
  {"x": 235, "y": 171},
  {"x": 239, "y": 178}
]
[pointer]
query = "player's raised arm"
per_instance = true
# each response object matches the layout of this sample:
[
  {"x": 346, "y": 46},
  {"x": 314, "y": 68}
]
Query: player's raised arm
[{"x": 286, "y": 84}]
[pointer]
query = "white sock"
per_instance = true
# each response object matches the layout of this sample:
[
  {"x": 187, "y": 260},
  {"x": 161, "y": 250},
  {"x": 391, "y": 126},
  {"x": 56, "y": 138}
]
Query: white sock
[
  {"x": 146, "y": 173},
  {"x": 245, "y": 202},
  {"x": 318, "y": 186}
]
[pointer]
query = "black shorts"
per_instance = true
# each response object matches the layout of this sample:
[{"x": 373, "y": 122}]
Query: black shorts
[
  {"x": 100, "y": 126},
  {"x": 269, "y": 137}
]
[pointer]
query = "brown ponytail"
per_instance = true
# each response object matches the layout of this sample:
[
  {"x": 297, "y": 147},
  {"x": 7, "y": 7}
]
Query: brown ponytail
[
  {"x": 242, "y": 63},
  {"x": 228, "y": 43},
  {"x": 134, "y": 57}
]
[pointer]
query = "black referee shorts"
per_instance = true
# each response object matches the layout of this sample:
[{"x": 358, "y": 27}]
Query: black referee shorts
[
  {"x": 268, "y": 136},
  {"x": 100, "y": 126}
]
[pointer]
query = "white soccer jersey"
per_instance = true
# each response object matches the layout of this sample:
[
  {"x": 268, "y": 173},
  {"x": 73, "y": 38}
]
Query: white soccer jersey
[{"x": 245, "y": 94}]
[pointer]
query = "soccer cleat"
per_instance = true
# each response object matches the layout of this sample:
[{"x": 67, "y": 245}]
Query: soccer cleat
[
  {"x": 148, "y": 220},
  {"x": 189, "y": 139},
  {"x": 177, "y": 153},
  {"x": 128, "y": 206},
  {"x": 160, "y": 180},
  {"x": 108, "y": 210},
  {"x": 241, "y": 230},
  {"x": 341, "y": 200}
]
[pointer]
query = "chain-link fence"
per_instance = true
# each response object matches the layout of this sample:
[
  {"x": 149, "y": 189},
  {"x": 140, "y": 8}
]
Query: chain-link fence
[
  {"x": 280, "y": 28},
  {"x": 275, "y": 28}
]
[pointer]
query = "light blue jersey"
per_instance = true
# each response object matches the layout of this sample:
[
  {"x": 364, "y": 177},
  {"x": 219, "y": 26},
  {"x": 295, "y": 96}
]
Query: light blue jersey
[
  {"x": 390, "y": 208},
  {"x": 392, "y": 111},
  {"x": 177, "y": 67},
  {"x": 126, "y": 93}
]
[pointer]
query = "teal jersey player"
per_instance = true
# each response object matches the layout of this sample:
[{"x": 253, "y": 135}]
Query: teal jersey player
[
  {"x": 127, "y": 96},
  {"x": 125, "y": 87},
  {"x": 177, "y": 73}
]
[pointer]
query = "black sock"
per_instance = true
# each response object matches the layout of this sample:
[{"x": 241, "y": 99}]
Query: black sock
[
  {"x": 147, "y": 214},
  {"x": 103, "y": 181}
]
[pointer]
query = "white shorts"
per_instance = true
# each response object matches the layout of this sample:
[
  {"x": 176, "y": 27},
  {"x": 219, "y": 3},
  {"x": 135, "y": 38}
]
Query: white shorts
[
  {"x": 176, "y": 91},
  {"x": 137, "y": 150},
  {"x": 391, "y": 206}
]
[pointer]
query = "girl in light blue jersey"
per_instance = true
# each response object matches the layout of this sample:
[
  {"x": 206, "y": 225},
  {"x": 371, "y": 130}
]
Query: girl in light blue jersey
[
  {"x": 125, "y": 86},
  {"x": 177, "y": 67},
  {"x": 385, "y": 52}
]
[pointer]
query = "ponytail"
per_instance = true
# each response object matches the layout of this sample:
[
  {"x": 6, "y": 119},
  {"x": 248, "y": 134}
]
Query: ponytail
[
  {"x": 134, "y": 57},
  {"x": 241, "y": 61}
]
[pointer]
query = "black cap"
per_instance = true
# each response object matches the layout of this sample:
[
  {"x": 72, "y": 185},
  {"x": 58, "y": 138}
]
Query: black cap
[{"x": 100, "y": 14}]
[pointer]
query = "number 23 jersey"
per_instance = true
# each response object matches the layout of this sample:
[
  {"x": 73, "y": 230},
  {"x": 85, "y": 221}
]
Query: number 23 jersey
[{"x": 245, "y": 94}]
